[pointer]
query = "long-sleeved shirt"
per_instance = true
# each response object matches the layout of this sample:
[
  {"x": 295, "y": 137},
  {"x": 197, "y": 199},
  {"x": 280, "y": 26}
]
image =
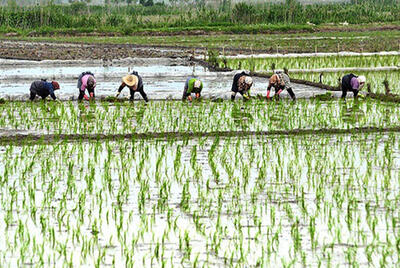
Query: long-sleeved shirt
[
  {"x": 238, "y": 82},
  {"x": 85, "y": 79},
  {"x": 280, "y": 80},
  {"x": 139, "y": 88},
  {"x": 189, "y": 86},
  {"x": 354, "y": 83},
  {"x": 350, "y": 82}
]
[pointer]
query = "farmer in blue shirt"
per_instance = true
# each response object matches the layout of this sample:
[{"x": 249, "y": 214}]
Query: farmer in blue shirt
[{"x": 43, "y": 89}]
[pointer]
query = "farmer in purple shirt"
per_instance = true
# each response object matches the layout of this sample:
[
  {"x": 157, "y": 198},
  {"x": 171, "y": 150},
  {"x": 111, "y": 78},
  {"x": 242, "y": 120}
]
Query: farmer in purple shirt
[
  {"x": 352, "y": 83},
  {"x": 86, "y": 81}
]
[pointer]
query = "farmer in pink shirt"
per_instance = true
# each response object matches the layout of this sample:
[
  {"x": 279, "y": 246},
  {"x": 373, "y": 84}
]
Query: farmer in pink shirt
[
  {"x": 352, "y": 83},
  {"x": 86, "y": 81}
]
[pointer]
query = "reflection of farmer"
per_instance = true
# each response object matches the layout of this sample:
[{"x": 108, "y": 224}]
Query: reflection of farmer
[
  {"x": 242, "y": 84},
  {"x": 280, "y": 81},
  {"x": 134, "y": 83},
  {"x": 43, "y": 89},
  {"x": 86, "y": 81},
  {"x": 352, "y": 83},
  {"x": 192, "y": 85}
]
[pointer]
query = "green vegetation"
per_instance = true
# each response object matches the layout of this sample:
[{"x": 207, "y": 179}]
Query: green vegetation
[
  {"x": 212, "y": 182},
  {"x": 133, "y": 18},
  {"x": 314, "y": 62},
  {"x": 238, "y": 201},
  {"x": 305, "y": 65},
  {"x": 375, "y": 79},
  {"x": 201, "y": 117}
]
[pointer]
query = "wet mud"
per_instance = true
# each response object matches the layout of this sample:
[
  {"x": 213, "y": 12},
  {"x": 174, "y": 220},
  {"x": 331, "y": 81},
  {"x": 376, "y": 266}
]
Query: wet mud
[{"x": 24, "y": 50}]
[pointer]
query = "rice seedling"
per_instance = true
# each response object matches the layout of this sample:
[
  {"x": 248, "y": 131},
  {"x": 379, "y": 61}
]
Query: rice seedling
[{"x": 244, "y": 210}]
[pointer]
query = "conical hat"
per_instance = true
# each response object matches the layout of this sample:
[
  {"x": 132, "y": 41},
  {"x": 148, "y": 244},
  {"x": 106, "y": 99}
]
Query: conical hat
[{"x": 130, "y": 80}]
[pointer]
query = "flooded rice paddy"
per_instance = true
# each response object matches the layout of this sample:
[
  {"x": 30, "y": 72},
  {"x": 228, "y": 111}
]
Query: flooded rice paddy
[
  {"x": 211, "y": 183},
  {"x": 255, "y": 201},
  {"x": 162, "y": 78}
]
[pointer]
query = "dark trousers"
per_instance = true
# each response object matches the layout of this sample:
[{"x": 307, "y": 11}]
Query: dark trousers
[
  {"x": 289, "y": 90},
  {"x": 33, "y": 95},
  {"x": 82, "y": 93},
  {"x": 141, "y": 91},
  {"x": 345, "y": 89}
]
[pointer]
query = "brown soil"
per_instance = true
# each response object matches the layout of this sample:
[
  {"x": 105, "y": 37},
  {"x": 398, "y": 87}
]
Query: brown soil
[{"x": 58, "y": 51}]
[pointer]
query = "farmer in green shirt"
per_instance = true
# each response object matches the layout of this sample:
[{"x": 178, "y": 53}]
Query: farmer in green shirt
[{"x": 192, "y": 85}]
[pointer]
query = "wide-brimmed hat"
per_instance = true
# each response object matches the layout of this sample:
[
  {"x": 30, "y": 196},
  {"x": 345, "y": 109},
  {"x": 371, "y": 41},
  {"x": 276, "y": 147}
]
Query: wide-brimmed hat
[
  {"x": 130, "y": 80},
  {"x": 362, "y": 79}
]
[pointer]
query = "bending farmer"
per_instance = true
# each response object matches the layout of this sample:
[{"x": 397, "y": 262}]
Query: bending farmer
[
  {"x": 135, "y": 84},
  {"x": 242, "y": 84},
  {"x": 352, "y": 83},
  {"x": 86, "y": 81},
  {"x": 43, "y": 89},
  {"x": 280, "y": 81},
  {"x": 192, "y": 85}
]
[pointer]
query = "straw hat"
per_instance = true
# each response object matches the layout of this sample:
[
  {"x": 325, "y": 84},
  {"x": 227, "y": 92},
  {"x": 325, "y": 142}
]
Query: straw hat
[{"x": 130, "y": 80}]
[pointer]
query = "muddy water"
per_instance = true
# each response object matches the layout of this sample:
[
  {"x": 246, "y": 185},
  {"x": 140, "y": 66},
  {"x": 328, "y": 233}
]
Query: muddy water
[{"x": 163, "y": 78}]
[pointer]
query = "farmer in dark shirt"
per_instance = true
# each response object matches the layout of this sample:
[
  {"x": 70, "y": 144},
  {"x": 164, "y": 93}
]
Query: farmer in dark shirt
[
  {"x": 135, "y": 84},
  {"x": 43, "y": 89},
  {"x": 242, "y": 83}
]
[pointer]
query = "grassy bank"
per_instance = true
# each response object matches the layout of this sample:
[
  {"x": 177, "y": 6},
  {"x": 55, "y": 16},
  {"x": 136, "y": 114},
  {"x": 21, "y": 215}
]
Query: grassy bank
[{"x": 129, "y": 19}]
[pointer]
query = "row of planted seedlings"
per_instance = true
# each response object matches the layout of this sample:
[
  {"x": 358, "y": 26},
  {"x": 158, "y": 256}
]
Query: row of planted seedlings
[
  {"x": 330, "y": 77},
  {"x": 376, "y": 79},
  {"x": 329, "y": 200},
  {"x": 204, "y": 116},
  {"x": 306, "y": 63}
]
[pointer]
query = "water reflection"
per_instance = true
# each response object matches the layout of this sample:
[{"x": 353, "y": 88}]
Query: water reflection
[
  {"x": 241, "y": 118},
  {"x": 351, "y": 111}
]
